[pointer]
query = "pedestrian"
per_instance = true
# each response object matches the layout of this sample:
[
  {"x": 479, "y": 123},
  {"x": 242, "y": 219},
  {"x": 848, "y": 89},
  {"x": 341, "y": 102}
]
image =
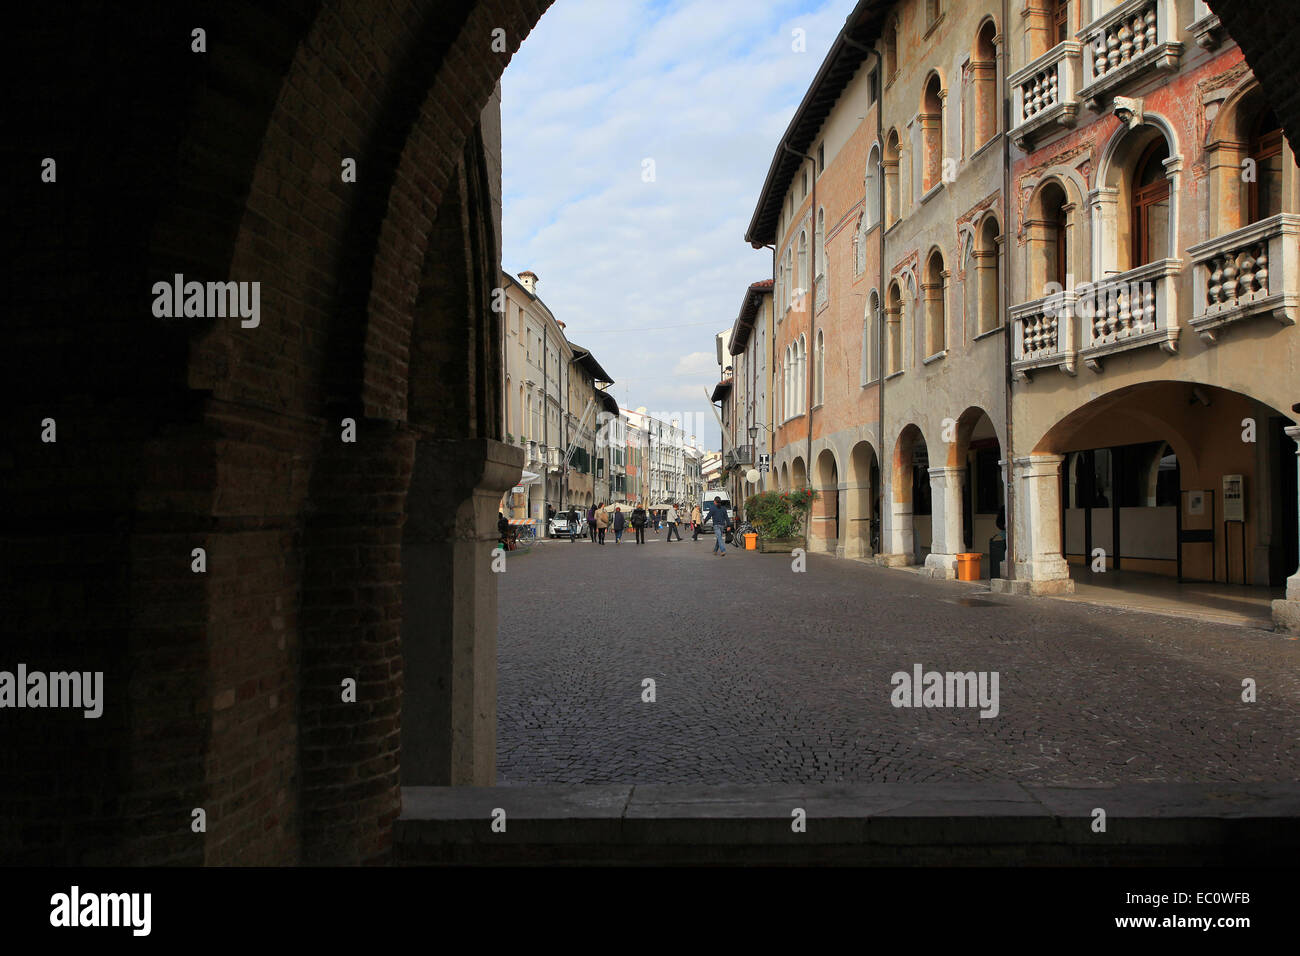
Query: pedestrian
[
  {"x": 602, "y": 522},
  {"x": 550, "y": 517},
  {"x": 620, "y": 522},
  {"x": 671, "y": 519},
  {"x": 696, "y": 520},
  {"x": 638, "y": 523},
  {"x": 573, "y": 523},
  {"x": 591, "y": 523},
  {"x": 718, "y": 514},
  {"x": 503, "y": 530}
]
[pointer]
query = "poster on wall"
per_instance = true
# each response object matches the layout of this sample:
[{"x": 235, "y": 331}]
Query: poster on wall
[{"x": 1196, "y": 503}]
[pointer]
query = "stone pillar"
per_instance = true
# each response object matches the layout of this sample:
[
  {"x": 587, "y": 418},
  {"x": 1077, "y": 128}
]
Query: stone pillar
[
  {"x": 1040, "y": 565},
  {"x": 1286, "y": 613},
  {"x": 897, "y": 537},
  {"x": 945, "y": 520},
  {"x": 449, "y": 611},
  {"x": 857, "y": 529}
]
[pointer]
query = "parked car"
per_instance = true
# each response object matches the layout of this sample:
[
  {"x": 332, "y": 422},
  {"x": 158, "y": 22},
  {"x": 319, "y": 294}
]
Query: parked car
[{"x": 560, "y": 525}]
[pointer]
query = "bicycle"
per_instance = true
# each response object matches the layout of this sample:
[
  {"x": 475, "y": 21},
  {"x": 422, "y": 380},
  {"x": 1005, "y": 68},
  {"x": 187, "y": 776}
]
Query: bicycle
[{"x": 739, "y": 530}]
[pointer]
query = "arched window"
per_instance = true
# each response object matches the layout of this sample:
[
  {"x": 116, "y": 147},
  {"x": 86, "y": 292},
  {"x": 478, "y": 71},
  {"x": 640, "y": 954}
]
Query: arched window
[
  {"x": 804, "y": 279},
  {"x": 789, "y": 278},
  {"x": 802, "y": 362},
  {"x": 931, "y": 120},
  {"x": 870, "y": 338},
  {"x": 1265, "y": 193},
  {"x": 936, "y": 320},
  {"x": 1047, "y": 228},
  {"x": 985, "y": 254},
  {"x": 873, "y": 187},
  {"x": 780, "y": 281},
  {"x": 894, "y": 330},
  {"x": 819, "y": 369},
  {"x": 860, "y": 247},
  {"x": 1150, "y": 205},
  {"x": 983, "y": 86},
  {"x": 892, "y": 210},
  {"x": 820, "y": 248}
]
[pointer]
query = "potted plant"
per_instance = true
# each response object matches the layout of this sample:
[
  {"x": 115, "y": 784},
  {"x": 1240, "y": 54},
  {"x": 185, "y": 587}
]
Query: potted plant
[{"x": 779, "y": 517}]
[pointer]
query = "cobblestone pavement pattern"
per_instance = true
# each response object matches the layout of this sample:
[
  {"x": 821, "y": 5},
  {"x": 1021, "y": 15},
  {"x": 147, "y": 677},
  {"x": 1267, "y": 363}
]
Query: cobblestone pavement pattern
[{"x": 768, "y": 676}]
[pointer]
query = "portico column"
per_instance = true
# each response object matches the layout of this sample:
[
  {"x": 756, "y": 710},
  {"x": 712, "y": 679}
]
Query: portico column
[
  {"x": 945, "y": 518},
  {"x": 449, "y": 611},
  {"x": 857, "y": 533},
  {"x": 1040, "y": 566},
  {"x": 1286, "y": 613},
  {"x": 897, "y": 535}
]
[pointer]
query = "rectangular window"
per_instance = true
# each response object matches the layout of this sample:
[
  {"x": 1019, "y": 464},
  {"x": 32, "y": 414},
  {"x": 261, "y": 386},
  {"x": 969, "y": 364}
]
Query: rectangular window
[
  {"x": 805, "y": 185},
  {"x": 873, "y": 87},
  {"x": 821, "y": 158}
]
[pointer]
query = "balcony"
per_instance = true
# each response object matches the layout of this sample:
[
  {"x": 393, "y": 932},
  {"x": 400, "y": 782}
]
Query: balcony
[
  {"x": 1043, "y": 335},
  {"x": 739, "y": 456},
  {"x": 1044, "y": 95},
  {"x": 1128, "y": 43},
  {"x": 1248, "y": 272},
  {"x": 1206, "y": 27},
  {"x": 1131, "y": 310}
]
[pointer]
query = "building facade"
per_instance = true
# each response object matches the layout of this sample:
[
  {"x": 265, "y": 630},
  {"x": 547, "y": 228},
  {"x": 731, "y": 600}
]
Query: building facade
[{"x": 1038, "y": 276}]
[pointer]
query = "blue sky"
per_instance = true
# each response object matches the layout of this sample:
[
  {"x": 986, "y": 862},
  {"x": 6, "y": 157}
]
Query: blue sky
[{"x": 645, "y": 273}]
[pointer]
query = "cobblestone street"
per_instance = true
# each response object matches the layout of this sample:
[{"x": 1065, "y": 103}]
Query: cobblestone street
[{"x": 764, "y": 675}]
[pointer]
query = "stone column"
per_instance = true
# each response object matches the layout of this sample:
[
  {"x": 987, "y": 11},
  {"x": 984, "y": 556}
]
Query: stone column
[
  {"x": 897, "y": 535},
  {"x": 945, "y": 520},
  {"x": 1286, "y": 613},
  {"x": 1040, "y": 566},
  {"x": 449, "y": 611},
  {"x": 857, "y": 530}
]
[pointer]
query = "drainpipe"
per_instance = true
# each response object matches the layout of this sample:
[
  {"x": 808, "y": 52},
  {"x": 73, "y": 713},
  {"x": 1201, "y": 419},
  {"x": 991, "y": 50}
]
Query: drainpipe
[
  {"x": 880, "y": 309},
  {"x": 812, "y": 309},
  {"x": 1005, "y": 292}
]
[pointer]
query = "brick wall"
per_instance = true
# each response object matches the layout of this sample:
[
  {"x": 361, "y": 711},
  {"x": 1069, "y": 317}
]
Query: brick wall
[{"x": 222, "y": 689}]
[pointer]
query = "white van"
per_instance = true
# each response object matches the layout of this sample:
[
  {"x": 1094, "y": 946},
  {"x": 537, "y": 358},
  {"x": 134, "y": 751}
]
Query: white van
[{"x": 706, "y": 522}]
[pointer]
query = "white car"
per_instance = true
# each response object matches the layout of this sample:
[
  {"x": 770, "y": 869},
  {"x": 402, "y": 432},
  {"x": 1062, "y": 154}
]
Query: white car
[{"x": 560, "y": 525}]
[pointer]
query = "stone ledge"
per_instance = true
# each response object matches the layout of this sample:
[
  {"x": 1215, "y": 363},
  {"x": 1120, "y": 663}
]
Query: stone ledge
[
  {"x": 964, "y": 824},
  {"x": 1286, "y": 616}
]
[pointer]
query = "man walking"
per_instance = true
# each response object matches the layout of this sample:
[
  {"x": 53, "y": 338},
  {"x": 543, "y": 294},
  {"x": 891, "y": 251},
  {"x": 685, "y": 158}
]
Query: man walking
[
  {"x": 638, "y": 523},
  {"x": 573, "y": 523},
  {"x": 620, "y": 522},
  {"x": 718, "y": 514},
  {"x": 672, "y": 523}
]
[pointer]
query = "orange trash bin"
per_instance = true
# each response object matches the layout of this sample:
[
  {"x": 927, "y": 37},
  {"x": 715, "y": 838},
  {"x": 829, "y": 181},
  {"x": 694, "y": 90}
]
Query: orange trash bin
[
  {"x": 751, "y": 542},
  {"x": 968, "y": 566}
]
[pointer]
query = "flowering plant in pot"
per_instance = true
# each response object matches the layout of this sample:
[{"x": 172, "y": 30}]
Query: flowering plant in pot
[{"x": 779, "y": 517}]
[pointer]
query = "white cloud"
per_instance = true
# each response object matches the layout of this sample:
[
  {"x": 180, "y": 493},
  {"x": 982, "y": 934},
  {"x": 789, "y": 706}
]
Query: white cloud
[{"x": 704, "y": 87}]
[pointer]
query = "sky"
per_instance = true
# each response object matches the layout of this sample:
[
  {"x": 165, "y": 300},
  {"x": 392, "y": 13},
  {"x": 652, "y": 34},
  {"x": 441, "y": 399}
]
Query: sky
[{"x": 636, "y": 136}]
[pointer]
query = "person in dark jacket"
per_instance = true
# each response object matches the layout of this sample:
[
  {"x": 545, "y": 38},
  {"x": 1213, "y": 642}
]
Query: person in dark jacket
[
  {"x": 503, "y": 529},
  {"x": 718, "y": 515},
  {"x": 591, "y": 523},
  {"x": 620, "y": 522},
  {"x": 573, "y": 523},
  {"x": 638, "y": 523}
]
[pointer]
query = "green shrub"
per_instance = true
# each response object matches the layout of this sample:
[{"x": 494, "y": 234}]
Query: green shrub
[{"x": 780, "y": 514}]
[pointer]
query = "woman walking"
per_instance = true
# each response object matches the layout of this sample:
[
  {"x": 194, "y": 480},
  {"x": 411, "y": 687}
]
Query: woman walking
[
  {"x": 695, "y": 523},
  {"x": 602, "y": 522},
  {"x": 620, "y": 522},
  {"x": 638, "y": 523}
]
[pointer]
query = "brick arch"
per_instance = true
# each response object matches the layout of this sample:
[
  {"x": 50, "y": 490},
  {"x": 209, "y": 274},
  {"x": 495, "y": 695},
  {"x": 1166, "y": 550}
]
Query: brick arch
[{"x": 223, "y": 688}]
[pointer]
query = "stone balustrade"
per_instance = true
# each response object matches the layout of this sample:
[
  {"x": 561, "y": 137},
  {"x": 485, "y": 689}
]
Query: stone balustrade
[
  {"x": 1043, "y": 335},
  {"x": 1045, "y": 93},
  {"x": 1131, "y": 310},
  {"x": 1128, "y": 42},
  {"x": 1245, "y": 273}
]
